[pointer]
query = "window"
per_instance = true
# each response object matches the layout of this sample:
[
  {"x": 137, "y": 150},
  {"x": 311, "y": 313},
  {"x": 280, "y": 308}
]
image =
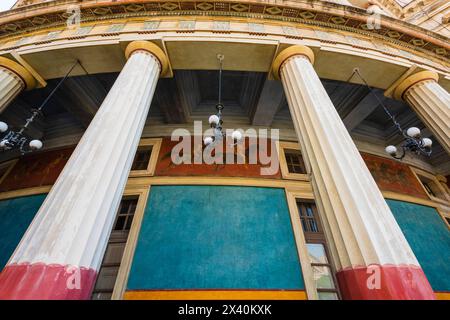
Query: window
[
  {"x": 145, "y": 159},
  {"x": 294, "y": 161},
  {"x": 109, "y": 268},
  {"x": 323, "y": 272},
  {"x": 142, "y": 158},
  {"x": 291, "y": 160},
  {"x": 432, "y": 186}
]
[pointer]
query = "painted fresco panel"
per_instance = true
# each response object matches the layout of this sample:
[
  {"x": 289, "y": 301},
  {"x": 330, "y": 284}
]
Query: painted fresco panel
[
  {"x": 216, "y": 237},
  {"x": 395, "y": 176},
  {"x": 35, "y": 170},
  {"x": 165, "y": 166}
]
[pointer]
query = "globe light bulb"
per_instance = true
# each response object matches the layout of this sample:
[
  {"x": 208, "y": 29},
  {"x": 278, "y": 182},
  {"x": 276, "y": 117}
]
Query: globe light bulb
[
  {"x": 236, "y": 135},
  {"x": 3, "y": 144},
  {"x": 413, "y": 132},
  {"x": 427, "y": 143},
  {"x": 208, "y": 141},
  {"x": 3, "y": 126},
  {"x": 214, "y": 120},
  {"x": 35, "y": 144},
  {"x": 392, "y": 150}
]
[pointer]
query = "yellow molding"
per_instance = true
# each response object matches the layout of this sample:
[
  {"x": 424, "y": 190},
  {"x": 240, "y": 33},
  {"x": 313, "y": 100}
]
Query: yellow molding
[
  {"x": 216, "y": 295},
  {"x": 28, "y": 80},
  {"x": 442, "y": 295},
  {"x": 288, "y": 53},
  {"x": 220, "y": 181},
  {"x": 24, "y": 192},
  {"x": 408, "y": 198},
  {"x": 29, "y": 68},
  {"x": 153, "y": 49},
  {"x": 410, "y": 81}
]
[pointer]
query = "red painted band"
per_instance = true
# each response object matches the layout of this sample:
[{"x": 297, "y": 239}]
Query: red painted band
[
  {"x": 46, "y": 282},
  {"x": 386, "y": 282}
]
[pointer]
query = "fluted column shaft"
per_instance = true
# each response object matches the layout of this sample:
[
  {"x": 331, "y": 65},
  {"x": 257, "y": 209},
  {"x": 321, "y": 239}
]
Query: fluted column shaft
[
  {"x": 13, "y": 79},
  {"x": 69, "y": 234},
  {"x": 365, "y": 235},
  {"x": 431, "y": 103}
]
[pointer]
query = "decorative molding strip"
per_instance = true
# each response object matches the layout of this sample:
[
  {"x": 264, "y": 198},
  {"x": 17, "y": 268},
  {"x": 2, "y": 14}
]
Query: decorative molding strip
[{"x": 326, "y": 15}]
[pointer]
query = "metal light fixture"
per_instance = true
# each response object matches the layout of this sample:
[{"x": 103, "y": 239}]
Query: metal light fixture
[
  {"x": 11, "y": 139},
  {"x": 413, "y": 141},
  {"x": 215, "y": 120}
]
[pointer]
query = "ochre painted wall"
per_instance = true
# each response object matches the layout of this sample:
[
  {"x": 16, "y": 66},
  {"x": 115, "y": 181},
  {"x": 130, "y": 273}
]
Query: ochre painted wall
[
  {"x": 216, "y": 237},
  {"x": 15, "y": 217},
  {"x": 429, "y": 237}
]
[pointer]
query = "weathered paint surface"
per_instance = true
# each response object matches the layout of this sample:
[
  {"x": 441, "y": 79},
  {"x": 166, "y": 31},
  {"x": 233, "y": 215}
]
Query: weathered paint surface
[
  {"x": 394, "y": 283},
  {"x": 34, "y": 170},
  {"x": 391, "y": 175},
  {"x": 429, "y": 237},
  {"x": 166, "y": 167},
  {"x": 215, "y": 237},
  {"x": 15, "y": 217}
]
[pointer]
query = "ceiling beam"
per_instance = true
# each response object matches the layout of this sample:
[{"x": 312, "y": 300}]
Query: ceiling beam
[
  {"x": 251, "y": 91},
  {"x": 362, "y": 110},
  {"x": 270, "y": 100},
  {"x": 81, "y": 97},
  {"x": 170, "y": 101}
]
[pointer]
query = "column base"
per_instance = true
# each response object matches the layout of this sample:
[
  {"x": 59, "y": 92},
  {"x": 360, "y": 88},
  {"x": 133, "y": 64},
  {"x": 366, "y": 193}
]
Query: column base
[
  {"x": 384, "y": 282},
  {"x": 39, "y": 281}
]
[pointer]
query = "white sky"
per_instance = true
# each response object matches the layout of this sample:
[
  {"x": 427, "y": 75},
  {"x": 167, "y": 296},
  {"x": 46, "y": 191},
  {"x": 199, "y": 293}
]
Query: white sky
[{"x": 6, "y": 4}]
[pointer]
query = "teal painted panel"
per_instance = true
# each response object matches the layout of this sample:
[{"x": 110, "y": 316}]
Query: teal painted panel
[
  {"x": 216, "y": 237},
  {"x": 429, "y": 238},
  {"x": 15, "y": 217}
]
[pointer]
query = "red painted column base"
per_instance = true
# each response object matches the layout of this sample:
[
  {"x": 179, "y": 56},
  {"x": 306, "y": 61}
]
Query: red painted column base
[
  {"x": 384, "y": 282},
  {"x": 46, "y": 282}
]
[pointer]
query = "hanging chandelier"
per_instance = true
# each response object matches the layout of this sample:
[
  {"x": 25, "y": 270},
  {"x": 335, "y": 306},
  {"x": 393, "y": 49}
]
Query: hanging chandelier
[
  {"x": 215, "y": 120},
  {"x": 10, "y": 139},
  {"x": 413, "y": 141}
]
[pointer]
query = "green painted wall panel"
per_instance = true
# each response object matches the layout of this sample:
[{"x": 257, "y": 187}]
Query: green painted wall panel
[
  {"x": 429, "y": 237},
  {"x": 15, "y": 217},
  {"x": 216, "y": 237}
]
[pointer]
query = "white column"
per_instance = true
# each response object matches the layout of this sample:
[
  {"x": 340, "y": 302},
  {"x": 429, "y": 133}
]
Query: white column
[
  {"x": 430, "y": 101},
  {"x": 363, "y": 230},
  {"x": 73, "y": 224},
  {"x": 13, "y": 79}
]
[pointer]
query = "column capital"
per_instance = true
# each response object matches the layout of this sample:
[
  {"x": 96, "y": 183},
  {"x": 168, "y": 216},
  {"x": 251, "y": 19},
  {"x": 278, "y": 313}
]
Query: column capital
[
  {"x": 410, "y": 81},
  {"x": 296, "y": 50},
  {"x": 20, "y": 71},
  {"x": 151, "y": 48}
]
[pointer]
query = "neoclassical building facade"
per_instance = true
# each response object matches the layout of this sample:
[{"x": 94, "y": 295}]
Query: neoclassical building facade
[{"x": 104, "y": 211}]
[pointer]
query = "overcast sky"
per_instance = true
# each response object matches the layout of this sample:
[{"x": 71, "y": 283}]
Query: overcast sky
[{"x": 6, "y": 4}]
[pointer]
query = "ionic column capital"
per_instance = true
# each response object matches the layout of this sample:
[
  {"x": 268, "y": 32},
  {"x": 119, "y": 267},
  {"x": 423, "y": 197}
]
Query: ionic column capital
[
  {"x": 412, "y": 80},
  {"x": 151, "y": 48},
  {"x": 28, "y": 80},
  {"x": 296, "y": 50}
]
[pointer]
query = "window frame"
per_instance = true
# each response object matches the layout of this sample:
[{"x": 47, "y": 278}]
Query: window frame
[
  {"x": 282, "y": 146},
  {"x": 422, "y": 173},
  {"x": 155, "y": 143},
  {"x": 294, "y": 195},
  {"x": 127, "y": 258}
]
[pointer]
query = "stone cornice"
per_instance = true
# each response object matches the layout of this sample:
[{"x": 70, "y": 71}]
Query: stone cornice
[{"x": 323, "y": 14}]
